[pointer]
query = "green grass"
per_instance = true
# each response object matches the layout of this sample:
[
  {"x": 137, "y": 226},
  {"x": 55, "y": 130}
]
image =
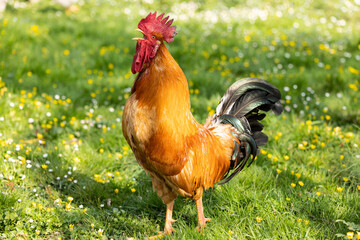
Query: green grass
[{"x": 66, "y": 170}]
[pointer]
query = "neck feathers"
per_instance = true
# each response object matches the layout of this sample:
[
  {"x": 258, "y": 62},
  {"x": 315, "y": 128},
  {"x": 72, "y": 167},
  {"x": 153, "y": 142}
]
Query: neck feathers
[{"x": 162, "y": 80}]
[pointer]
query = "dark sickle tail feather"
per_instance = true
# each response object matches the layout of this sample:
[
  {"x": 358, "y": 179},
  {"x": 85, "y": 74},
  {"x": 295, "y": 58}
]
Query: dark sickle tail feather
[{"x": 240, "y": 107}]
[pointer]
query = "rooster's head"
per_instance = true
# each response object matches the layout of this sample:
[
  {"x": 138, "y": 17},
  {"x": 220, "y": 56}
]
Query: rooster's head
[{"x": 155, "y": 31}]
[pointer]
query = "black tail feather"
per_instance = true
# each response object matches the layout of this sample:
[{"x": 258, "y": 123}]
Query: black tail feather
[{"x": 240, "y": 107}]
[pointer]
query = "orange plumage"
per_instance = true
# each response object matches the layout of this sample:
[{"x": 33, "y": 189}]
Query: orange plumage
[{"x": 182, "y": 156}]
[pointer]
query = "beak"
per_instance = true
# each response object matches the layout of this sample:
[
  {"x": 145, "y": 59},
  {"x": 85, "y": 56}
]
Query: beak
[
  {"x": 139, "y": 30},
  {"x": 137, "y": 39}
]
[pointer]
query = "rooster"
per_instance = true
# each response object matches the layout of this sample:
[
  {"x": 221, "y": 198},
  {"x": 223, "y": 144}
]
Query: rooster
[{"x": 182, "y": 156}]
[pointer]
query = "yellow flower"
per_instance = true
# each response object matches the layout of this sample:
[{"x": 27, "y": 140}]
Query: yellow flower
[
  {"x": 66, "y": 52},
  {"x": 116, "y": 190},
  {"x": 44, "y": 166},
  {"x": 278, "y": 171},
  {"x": 71, "y": 227},
  {"x": 346, "y": 179},
  {"x": 358, "y": 233},
  {"x": 350, "y": 235},
  {"x": 293, "y": 185},
  {"x": 35, "y": 29},
  {"x": 339, "y": 189},
  {"x": 70, "y": 199},
  {"x": 353, "y": 86},
  {"x": 67, "y": 207},
  {"x": 288, "y": 199},
  {"x": 90, "y": 81},
  {"x": 286, "y": 157},
  {"x": 353, "y": 70},
  {"x": 100, "y": 231},
  {"x": 301, "y": 183},
  {"x": 318, "y": 193},
  {"x": 259, "y": 219},
  {"x": 133, "y": 190},
  {"x": 298, "y": 175},
  {"x": 109, "y": 175},
  {"x": 76, "y": 159},
  {"x": 247, "y": 38},
  {"x": 306, "y": 222}
]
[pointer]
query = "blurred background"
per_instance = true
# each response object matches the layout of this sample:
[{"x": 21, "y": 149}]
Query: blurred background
[{"x": 65, "y": 76}]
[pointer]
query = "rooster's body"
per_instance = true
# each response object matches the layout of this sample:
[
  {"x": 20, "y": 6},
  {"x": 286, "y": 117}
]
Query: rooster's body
[{"x": 182, "y": 156}]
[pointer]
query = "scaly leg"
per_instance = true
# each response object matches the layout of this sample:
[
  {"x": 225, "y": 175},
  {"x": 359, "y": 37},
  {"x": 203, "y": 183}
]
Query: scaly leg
[
  {"x": 201, "y": 218},
  {"x": 168, "y": 222}
]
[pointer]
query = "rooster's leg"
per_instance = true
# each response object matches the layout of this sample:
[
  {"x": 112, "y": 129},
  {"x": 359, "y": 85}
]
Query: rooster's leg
[
  {"x": 201, "y": 218},
  {"x": 169, "y": 220}
]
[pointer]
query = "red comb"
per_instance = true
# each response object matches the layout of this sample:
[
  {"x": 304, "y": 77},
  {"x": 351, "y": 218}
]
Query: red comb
[{"x": 152, "y": 24}]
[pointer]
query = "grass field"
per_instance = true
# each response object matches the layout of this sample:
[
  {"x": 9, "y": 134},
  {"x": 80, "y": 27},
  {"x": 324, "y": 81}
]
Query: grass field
[{"x": 66, "y": 171}]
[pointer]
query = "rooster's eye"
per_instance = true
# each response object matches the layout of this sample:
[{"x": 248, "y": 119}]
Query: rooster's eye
[{"x": 153, "y": 37}]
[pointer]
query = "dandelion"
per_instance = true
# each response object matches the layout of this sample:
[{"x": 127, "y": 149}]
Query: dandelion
[
  {"x": 339, "y": 189},
  {"x": 287, "y": 199},
  {"x": 345, "y": 179},
  {"x": 247, "y": 38},
  {"x": 353, "y": 70},
  {"x": 298, "y": 175},
  {"x": 71, "y": 227},
  {"x": 66, "y": 52},
  {"x": 70, "y": 199},
  {"x": 293, "y": 185},
  {"x": 318, "y": 193},
  {"x": 133, "y": 190},
  {"x": 278, "y": 171},
  {"x": 116, "y": 190},
  {"x": 301, "y": 183},
  {"x": 286, "y": 157},
  {"x": 44, "y": 166},
  {"x": 109, "y": 175},
  {"x": 259, "y": 219}
]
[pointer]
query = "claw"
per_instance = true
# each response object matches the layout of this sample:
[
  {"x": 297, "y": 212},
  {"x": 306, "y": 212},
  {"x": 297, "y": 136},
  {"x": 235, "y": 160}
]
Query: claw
[
  {"x": 201, "y": 218},
  {"x": 202, "y": 224},
  {"x": 168, "y": 222}
]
